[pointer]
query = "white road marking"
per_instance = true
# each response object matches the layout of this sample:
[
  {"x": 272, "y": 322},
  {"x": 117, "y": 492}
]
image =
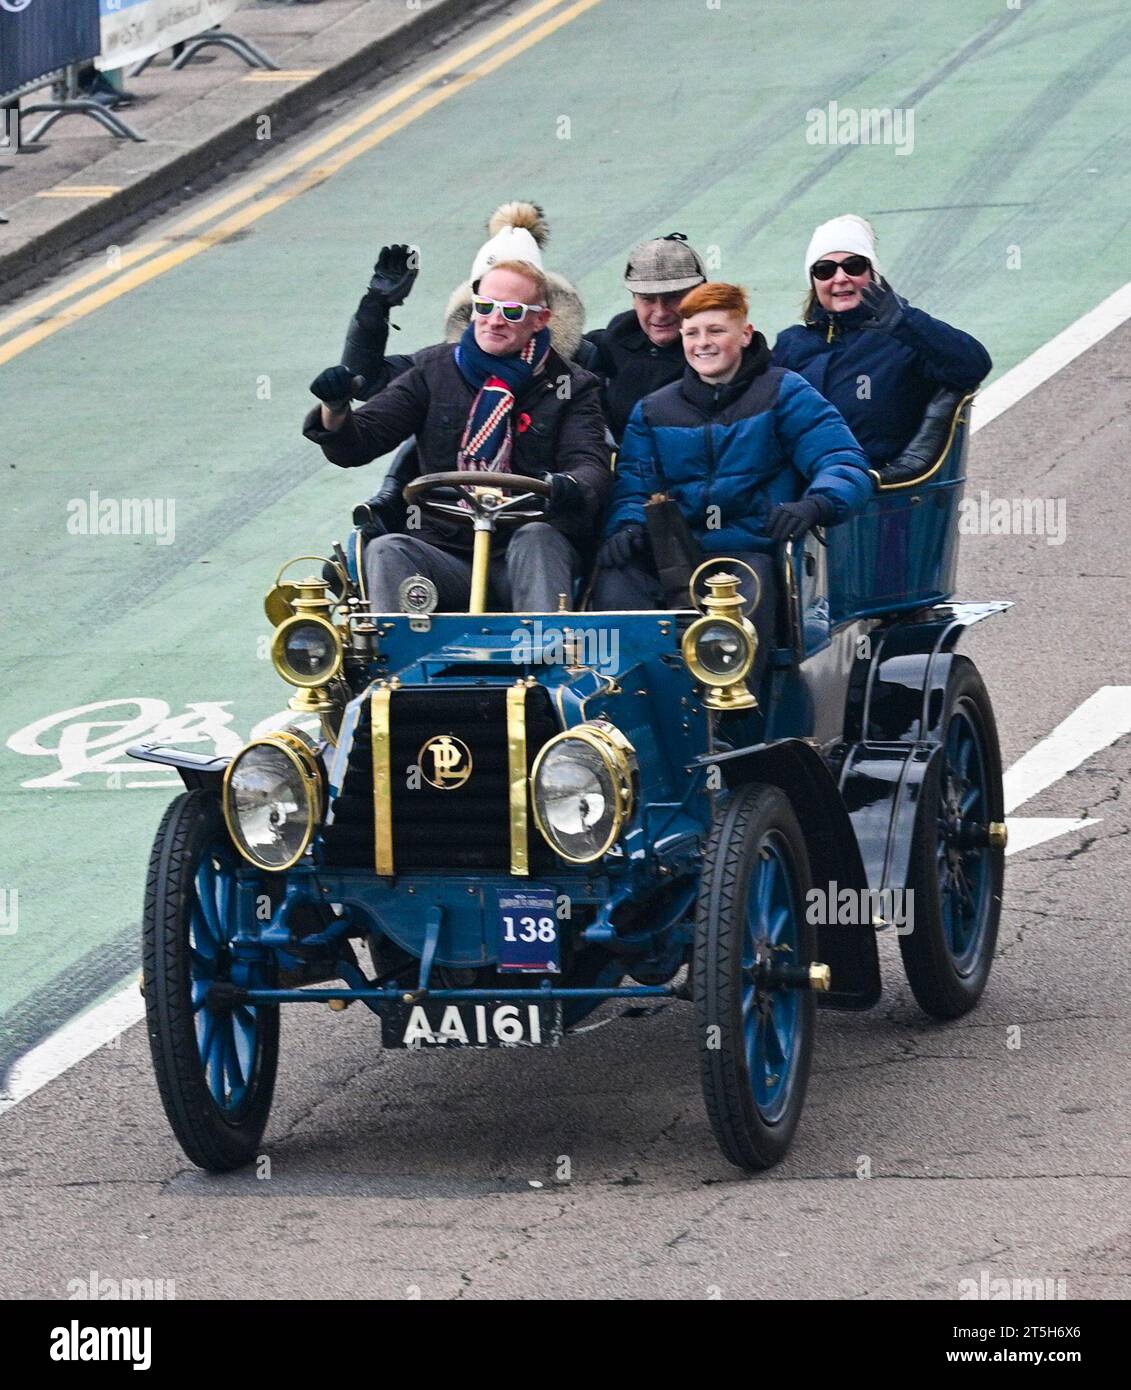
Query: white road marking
[
  {"x": 1098, "y": 722},
  {"x": 67, "y": 1046},
  {"x": 1091, "y": 727},
  {"x": 1039, "y": 366},
  {"x": 1027, "y": 831}
]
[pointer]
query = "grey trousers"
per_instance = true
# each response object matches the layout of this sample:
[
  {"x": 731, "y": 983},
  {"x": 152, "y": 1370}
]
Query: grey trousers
[{"x": 538, "y": 564}]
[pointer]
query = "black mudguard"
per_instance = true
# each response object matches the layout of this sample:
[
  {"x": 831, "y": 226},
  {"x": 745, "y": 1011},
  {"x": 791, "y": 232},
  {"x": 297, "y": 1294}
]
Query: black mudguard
[
  {"x": 896, "y": 733},
  {"x": 906, "y": 684},
  {"x": 880, "y": 785},
  {"x": 196, "y": 769},
  {"x": 834, "y": 857}
]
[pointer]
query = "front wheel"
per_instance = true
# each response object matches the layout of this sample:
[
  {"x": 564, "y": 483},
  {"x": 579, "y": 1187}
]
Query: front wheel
[
  {"x": 755, "y": 1032},
  {"x": 215, "y": 1061},
  {"x": 957, "y": 860}
]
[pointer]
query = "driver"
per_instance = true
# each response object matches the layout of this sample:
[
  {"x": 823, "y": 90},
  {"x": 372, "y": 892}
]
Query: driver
[{"x": 499, "y": 400}]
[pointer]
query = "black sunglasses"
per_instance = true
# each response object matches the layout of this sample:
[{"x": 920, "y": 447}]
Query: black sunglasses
[{"x": 851, "y": 265}]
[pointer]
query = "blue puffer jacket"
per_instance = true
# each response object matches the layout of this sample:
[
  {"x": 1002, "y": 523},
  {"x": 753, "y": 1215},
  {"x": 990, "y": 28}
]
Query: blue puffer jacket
[
  {"x": 740, "y": 449},
  {"x": 897, "y": 373}
]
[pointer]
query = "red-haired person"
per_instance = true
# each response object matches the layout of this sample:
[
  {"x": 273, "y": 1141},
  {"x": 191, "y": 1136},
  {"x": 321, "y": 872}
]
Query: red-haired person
[{"x": 752, "y": 454}]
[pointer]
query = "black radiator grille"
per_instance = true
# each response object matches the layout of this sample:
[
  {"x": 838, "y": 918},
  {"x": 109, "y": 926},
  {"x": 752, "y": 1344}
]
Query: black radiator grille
[{"x": 464, "y": 829}]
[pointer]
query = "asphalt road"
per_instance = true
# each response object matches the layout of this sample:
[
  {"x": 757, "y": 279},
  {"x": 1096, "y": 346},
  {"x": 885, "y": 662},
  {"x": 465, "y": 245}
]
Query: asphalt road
[{"x": 440, "y": 1176}]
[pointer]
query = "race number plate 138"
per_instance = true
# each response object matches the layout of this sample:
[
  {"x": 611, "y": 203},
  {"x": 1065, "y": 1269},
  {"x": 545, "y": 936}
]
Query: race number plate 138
[{"x": 528, "y": 931}]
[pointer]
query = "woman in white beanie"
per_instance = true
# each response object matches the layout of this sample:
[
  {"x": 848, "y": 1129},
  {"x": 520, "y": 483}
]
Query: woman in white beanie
[{"x": 868, "y": 351}]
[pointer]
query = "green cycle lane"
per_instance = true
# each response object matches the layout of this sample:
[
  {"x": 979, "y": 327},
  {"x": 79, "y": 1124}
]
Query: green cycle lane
[{"x": 1001, "y": 208}]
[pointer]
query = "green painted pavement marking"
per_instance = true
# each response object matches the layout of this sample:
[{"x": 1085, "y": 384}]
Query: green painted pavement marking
[{"x": 695, "y": 120}]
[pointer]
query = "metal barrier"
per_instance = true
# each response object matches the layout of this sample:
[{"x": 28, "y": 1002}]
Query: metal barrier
[
  {"x": 43, "y": 43},
  {"x": 252, "y": 55},
  {"x": 39, "y": 38}
]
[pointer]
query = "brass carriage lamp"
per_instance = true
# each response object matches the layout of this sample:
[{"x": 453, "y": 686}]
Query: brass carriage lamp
[
  {"x": 307, "y": 649},
  {"x": 719, "y": 648}
]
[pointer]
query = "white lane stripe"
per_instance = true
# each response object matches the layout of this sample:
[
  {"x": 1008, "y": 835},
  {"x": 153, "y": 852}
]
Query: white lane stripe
[
  {"x": 67, "y": 1046},
  {"x": 1099, "y": 721},
  {"x": 1027, "y": 831},
  {"x": 1039, "y": 366},
  {"x": 103, "y": 1023}
]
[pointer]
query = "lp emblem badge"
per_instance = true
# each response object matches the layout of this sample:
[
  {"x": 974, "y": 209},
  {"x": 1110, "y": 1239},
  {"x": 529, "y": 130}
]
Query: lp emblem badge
[{"x": 445, "y": 762}]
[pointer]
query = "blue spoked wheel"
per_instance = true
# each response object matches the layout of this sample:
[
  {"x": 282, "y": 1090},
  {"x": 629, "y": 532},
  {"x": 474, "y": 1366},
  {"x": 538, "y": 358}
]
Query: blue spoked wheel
[
  {"x": 215, "y": 1060},
  {"x": 956, "y": 871},
  {"x": 755, "y": 1033}
]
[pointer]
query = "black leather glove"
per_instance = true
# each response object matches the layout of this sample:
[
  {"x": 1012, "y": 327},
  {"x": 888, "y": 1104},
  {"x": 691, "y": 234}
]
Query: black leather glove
[
  {"x": 622, "y": 545},
  {"x": 393, "y": 278},
  {"x": 887, "y": 307},
  {"x": 566, "y": 497},
  {"x": 789, "y": 521},
  {"x": 334, "y": 387}
]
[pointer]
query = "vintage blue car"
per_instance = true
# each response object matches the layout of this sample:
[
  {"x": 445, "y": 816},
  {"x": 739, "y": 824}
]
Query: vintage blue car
[{"x": 481, "y": 825}]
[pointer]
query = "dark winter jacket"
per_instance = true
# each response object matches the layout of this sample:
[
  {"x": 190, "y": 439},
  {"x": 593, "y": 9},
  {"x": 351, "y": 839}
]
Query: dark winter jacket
[
  {"x": 767, "y": 437},
  {"x": 630, "y": 365},
  {"x": 881, "y": 382},
  {"x": 431, "y": 400}
]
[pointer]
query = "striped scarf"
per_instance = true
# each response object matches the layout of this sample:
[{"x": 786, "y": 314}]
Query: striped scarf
[{"x": 488, "y": 437}]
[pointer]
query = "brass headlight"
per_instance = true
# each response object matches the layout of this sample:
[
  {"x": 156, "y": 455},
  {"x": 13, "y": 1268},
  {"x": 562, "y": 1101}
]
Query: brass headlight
[
  {"x": 307, "y": 650},
  {"x": 273, "y": 798},
  {"x": 582, "y": 789},
  {"x": 719, "y": 650}
]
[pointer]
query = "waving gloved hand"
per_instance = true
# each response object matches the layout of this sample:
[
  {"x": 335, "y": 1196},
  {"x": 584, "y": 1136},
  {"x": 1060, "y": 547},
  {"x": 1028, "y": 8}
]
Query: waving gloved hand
[
  {"x": 393, "y": 277},
  {"x": 789, "y": 521},
  {"x": 622, "y": 545},
  {"x": 566, "y": 497},
  {"x": 335, "y": 387},
  {"x": 887, "y": 307}
]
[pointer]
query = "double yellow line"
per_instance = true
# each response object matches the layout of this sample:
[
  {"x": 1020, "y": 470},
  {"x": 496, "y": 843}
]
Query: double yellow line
[{"x": 307, "y": 168}]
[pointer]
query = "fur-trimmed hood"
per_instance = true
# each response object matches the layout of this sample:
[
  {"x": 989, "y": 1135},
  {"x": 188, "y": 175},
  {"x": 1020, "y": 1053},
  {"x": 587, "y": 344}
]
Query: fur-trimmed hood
[{"x": 566, "y": 325}]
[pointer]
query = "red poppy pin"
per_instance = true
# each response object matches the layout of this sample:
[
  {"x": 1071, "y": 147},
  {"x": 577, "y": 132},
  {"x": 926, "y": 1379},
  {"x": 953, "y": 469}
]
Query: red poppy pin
[{"x": 523, "y": 422}]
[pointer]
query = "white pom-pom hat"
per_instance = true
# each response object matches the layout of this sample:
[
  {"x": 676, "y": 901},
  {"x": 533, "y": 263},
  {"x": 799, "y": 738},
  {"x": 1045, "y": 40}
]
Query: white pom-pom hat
[{"x": 518, "y": 233}]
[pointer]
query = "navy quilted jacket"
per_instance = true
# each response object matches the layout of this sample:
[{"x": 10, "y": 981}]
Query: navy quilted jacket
[
  {"x": 881, "y": 382},
  {"x": 728, "y": 455}
]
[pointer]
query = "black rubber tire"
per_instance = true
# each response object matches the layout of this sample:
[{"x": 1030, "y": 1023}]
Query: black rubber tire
[
  {"x": 743, "y": 1134},
  {"x": 936, "y": 983},
  {"x": 191, "y": 826}
]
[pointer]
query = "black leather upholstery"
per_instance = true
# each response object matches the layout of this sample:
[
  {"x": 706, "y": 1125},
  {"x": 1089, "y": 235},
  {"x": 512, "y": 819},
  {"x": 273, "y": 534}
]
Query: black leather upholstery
[{"x": 928, "y": 442}]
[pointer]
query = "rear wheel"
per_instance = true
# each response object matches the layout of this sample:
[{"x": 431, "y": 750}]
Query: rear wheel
[
  {"x": 215, "y": 1061},
  {"x": 956, "y": 871},
  {"x": 755, "y": 1033}
]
